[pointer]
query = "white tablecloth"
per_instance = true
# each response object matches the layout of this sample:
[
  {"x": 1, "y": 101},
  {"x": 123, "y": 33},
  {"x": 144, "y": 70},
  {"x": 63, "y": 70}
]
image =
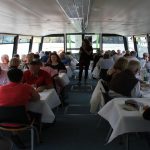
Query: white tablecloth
[
  {"x": 49, "y": 100},
  {"x": 50, "y": 97},
  {"x": 64, "y": 79},
  {"x": 123, "y": 121},
  {"x": 97, "y": 99},
  {"x": 146, "y": 92},
  {"x": 69, "y": 71}
]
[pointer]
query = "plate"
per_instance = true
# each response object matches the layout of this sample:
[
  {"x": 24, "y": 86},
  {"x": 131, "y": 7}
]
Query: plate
[{"x": 128, "y": 107}]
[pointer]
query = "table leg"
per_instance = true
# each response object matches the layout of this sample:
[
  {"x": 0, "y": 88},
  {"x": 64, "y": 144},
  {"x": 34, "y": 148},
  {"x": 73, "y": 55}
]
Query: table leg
[
  {"x": 127, "y": 142},
  {"x": 109, "y": 133}
]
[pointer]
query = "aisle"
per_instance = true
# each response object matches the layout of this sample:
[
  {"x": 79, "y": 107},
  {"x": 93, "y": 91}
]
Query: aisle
[{"x": 76, "y": 128}]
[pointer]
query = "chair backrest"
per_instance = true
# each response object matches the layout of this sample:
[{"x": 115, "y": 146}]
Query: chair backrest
[
  {"x": 104, "y": 89},
  {"x": 103, "y": 74},
  {"x": 13, "y": 114}
]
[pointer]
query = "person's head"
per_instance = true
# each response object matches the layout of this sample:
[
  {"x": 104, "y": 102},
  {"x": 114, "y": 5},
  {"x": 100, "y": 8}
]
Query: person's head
[
  {"x": 16, "y": 56},
  {"x": 121, "y": 64},
  {"x": 29, "y": 58},
  {"x": 118, "y": 51},
  {"x": 54, "y": 58},
  {"x": 85, "y": 43},
  {"x": 14, "y": 62},
  {"x": 5, "y": 59},
  {"x": 36, "y": 56},
  {"x": 133, "y": 53},
  {"x": 15, "y": 75},
  {"x": 23, "y": 58},
  {"x": 106, "y": 55},
  {"x": 145, "y": 56},
  {"x": 62, "y": 55},
  {"x": 34, "y": 66},
  {"x": 134, "y": 66},
  {"x": 127, "y": 53},
  {"x": 46, "y": 53}
]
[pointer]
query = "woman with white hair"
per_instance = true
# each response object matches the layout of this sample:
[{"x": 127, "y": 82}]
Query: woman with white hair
[{"x": 5, "y": 61}]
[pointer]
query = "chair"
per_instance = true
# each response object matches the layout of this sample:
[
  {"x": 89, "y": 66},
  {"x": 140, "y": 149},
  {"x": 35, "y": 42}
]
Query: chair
[
  {"x": 15, "y": 119},
  {"x": 103, "y": 74},
  {"x": 6, "y": 143},
  {"x": 104, "y": 90}
]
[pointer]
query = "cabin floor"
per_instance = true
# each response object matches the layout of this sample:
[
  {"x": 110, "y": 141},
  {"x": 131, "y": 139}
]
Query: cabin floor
[{"x": 76, "y": 128}]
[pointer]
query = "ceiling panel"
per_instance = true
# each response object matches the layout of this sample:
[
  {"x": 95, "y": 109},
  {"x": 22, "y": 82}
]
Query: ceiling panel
[
  {"x": 43, "y": 17},
  {"x": 125, "y": 17}
]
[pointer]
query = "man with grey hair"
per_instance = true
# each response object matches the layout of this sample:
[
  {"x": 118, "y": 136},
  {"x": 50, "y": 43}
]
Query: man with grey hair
[{"x": 133, "y": 56}]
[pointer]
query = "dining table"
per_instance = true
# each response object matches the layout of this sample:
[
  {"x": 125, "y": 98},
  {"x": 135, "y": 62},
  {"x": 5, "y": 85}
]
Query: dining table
[{"x": 48, "y": 100}]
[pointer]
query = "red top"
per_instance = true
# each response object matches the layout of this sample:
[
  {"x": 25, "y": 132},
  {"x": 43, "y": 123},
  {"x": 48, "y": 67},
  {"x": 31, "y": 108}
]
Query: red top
[
  {"x": 15, "y": 94},
  {"x": 43, "y": 78}
]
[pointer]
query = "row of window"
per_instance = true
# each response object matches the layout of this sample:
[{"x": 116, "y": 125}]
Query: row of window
[{"x": 73, "y": 43}]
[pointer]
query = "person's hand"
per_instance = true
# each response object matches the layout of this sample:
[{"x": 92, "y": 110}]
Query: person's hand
[
  {"x": 145, "y": 107},
  {"x": 40, "y": 89}
]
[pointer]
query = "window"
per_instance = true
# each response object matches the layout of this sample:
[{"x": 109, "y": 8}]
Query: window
[
  {"x": 130, "y": 43},
  {"x": 23, "y": 45},
  {"x": 6, "y": 49},
  {"x": 142, "y": 46},
  {"x": 74, "y": 42},
  {"x": 53, "y": 44},
  {"x": 6, "y": 44},
  {"x": 36, "y": 44},
  {"x": 113, "y": 43},
  {"x": 95, "y": 41}
]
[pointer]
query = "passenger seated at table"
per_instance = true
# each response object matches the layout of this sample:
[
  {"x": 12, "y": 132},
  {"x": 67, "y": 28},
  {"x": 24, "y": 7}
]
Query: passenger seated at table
[
  {"x": 14, "y": 63},
  {"x": 17, "y": 93},
  {"x": 65, "y": 59},
  {"x": 55, "y": 63},
  {"x": 3, "y": 77},
  {"x": 104, "y": 64},
  {"x": 120, "y": 65},
  {"x": 125, "y": 83},
  {"x": 25, "y": 65},
  {"x": 36, "y": 77},
  {"x": 5, "y": 61},
  {"x": 56, "y": 79},
  {"x": 56, "y": 67}
]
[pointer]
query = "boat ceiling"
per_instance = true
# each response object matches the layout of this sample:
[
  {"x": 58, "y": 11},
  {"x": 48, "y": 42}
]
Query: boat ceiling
[{"x": 44, "y": 17}]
